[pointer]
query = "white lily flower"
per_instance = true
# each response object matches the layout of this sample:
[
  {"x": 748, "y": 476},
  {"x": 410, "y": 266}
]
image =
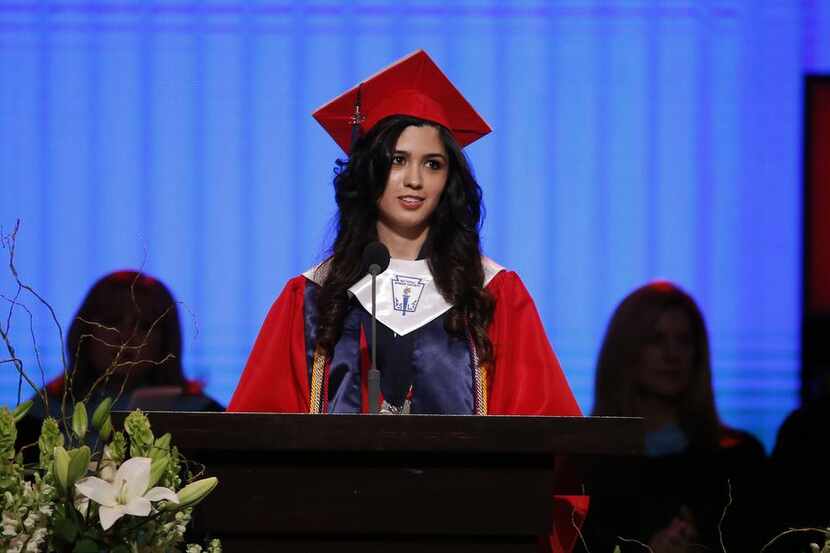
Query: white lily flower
[{"x": 127, "y": 494}]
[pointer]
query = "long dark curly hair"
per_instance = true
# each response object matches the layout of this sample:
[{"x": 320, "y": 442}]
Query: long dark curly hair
[{"x": 455, "y": 252}]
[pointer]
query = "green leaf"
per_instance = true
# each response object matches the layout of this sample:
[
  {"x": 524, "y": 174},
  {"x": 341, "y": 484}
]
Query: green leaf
[
  {"x": 22, "y": 409},
  {"x": 161, "y": 448},
  {"x": 65, "y": 530},
  {"x": 86, "y": 546},
  {"x": 157, "y": 469}
]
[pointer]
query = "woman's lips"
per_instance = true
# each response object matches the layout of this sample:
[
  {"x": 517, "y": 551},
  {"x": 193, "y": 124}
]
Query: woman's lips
[{"x": 411, "y": 202}]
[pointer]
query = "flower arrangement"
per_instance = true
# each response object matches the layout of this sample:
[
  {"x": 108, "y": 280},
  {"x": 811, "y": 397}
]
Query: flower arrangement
[
  {"x": 92, "y": 488},
  {"x": 123, "y": 494}
]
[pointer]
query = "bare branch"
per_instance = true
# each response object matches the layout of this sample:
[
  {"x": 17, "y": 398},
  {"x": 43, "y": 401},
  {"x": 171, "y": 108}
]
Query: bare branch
[
  {"x": 193, "y": 319},
  {"x": 16, "y": 361},
  {"x": 99, "y": 325},
  {"x": 637, "y": 542},
  {"x": 138, "y": 275},
  {"x": 723, "y": 515},
  {"x": 11, "y": 308},
  {"x": 119, "y": 367},
  {"x": 11, "y": 242},
  {"x": 577, "y": 528},
  {"x": 14, "y": 303},
  {"x": 792, "y": 531},
  {"x": 124, "y": 346}
]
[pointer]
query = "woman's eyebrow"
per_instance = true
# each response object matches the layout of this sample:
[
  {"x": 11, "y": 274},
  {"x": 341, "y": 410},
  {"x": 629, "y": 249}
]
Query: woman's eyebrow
[{"x": 430, "y": 155}]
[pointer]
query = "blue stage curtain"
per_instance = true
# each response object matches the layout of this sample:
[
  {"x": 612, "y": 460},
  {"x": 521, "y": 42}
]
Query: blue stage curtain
[{"x": 633, "y": 140}]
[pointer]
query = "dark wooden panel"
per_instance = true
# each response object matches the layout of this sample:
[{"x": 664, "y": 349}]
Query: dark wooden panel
[
  {"x": 370, "y": 483},
  {"x": 562, "y": 435},
  {"x": 412, "y": 499},
  {"x": 383, "y": 544}
]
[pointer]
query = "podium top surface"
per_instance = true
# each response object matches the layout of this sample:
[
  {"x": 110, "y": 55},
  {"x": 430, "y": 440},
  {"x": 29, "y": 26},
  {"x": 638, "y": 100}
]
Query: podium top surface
[{"x": 271, "y": 432}]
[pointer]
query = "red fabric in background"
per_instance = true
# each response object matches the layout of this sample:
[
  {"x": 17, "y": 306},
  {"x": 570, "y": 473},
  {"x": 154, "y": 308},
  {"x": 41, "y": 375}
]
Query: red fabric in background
[{"x": 818, "y": 200}]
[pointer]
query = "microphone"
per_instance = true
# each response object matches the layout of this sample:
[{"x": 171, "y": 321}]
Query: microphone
[{"x": 376, "y": 260}]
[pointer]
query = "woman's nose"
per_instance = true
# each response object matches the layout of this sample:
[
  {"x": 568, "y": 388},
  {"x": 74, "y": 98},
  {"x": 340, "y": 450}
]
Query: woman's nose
[{"x": 413, "y": 177}]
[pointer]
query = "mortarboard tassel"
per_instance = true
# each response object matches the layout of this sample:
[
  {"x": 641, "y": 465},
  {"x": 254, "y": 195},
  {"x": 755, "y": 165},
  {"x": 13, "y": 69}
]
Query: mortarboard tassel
[{"x": 357, "y": 118}]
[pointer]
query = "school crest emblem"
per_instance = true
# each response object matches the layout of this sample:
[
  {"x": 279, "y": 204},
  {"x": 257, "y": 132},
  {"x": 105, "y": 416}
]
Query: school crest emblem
[{"x": 406, "y": 292}]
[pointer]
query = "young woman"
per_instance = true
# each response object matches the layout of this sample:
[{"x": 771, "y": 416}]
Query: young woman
[
  {"x": 458, "y": 334},
  {"x": 655, "y": 363}
]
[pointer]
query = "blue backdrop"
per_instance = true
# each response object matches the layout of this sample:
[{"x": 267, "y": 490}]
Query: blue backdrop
[{"x": 633, "y": 140}]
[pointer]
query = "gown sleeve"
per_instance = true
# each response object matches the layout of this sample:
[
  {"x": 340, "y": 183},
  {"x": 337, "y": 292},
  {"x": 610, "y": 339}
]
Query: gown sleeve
[
  {"x": 528, "y": 380},
  {"x": 276, "y": 376}
]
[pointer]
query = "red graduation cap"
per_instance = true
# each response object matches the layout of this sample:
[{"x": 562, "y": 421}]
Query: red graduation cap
[{"x": 414, "y": 86}]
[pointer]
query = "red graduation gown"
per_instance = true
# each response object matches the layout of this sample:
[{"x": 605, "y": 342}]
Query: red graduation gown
[{"x": 528, "y": 379}]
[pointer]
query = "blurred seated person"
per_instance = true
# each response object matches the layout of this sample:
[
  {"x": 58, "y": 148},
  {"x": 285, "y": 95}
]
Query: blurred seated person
[
  {"x": 799, "y": 462},
  {"x": 655, "y": 363},
  {"x": 125, "y": 342}
]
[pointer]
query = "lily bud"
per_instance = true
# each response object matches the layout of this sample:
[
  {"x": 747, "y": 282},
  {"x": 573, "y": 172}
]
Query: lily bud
[
  {"x": 79, "y": 420},
  {"x": 61, "y": 465},
  {"x": 101, "y": 414},
  {"x": 193, "y": 493},
  {"x": 21, "y": 410},
  {"x": 78, "y": 464},
  {"x": 106, "y": 429}
]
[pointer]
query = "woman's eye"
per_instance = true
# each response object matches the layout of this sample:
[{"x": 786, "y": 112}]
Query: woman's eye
[
  {"x": 398, "y": 160},
  {"x": 434, "y": 164}
]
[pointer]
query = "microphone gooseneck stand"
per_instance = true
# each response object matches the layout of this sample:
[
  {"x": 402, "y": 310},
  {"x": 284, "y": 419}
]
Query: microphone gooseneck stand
[
  {"x": 376, "y": 260},
  {"x": 374, "y": 373}
]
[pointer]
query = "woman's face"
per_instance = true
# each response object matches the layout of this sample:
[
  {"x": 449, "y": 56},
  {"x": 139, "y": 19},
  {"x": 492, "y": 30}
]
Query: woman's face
[
  {"x": 667, "y": 359},
  {"x": 416, "y": 181}
]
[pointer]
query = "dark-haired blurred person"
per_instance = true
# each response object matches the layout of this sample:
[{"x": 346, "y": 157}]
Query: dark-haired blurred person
[
  {"x": 799, "y": 463},
  {"x": 125, "y": 342},
  {"x": 655, "y": 363}
]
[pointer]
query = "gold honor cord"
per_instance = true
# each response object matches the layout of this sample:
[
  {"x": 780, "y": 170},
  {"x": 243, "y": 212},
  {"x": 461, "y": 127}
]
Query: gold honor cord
[
  {"x": 318, "y": 368},
  {"x": 479, "y": 377}
]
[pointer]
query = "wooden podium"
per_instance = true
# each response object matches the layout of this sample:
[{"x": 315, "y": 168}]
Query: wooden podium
[{"x": 315, "y": 483}]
